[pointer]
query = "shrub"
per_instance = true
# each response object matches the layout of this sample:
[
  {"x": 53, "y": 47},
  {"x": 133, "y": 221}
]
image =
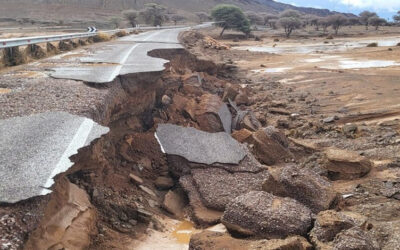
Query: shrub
[
  {"x": 101, "y": 37},
  {"x": 230, "y": 17},
  {"x": 372, "y": 45}
]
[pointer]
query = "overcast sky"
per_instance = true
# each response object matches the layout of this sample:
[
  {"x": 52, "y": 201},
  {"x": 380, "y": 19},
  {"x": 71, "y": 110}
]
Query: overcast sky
[{"x": 385, "y": 8}]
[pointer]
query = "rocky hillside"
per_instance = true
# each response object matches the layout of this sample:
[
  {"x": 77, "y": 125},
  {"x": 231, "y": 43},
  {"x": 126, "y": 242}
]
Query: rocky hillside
[{"x": 70, "y": 11}]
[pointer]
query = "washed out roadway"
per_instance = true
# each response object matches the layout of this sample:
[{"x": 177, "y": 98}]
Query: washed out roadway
[{"x": 34, "y": 149}]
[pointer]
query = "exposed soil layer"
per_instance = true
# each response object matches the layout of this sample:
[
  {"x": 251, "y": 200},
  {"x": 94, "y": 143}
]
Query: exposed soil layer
[{"x": 111, "y": 199}]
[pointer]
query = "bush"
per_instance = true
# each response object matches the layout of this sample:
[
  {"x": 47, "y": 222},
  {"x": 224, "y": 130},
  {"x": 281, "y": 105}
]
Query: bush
[
  {"x": 372, "y": 45},
  {"x": 230, "y": 17},
  {"x": 121, "y": 33},
  {"x": 101, "y": 37}
]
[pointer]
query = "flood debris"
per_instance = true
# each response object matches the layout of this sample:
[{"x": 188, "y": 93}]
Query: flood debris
[
  {"x": 27, "y": 172},
  {"x": 198, "y": 146}
]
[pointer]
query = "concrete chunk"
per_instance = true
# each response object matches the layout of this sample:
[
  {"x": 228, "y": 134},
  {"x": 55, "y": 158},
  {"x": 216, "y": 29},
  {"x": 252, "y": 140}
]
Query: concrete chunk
[{"x": 198, "y": 146}]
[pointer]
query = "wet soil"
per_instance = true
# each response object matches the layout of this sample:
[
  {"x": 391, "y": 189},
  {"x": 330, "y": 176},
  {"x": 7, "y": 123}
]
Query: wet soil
[{"x": 128, "y": 211}]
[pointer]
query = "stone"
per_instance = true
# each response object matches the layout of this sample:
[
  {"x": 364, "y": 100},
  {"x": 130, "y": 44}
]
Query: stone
[
  {"x": 353, "y": 239},
  {"x": 218, "y": 187},
  {"x": 349, "y": 129},
  {"x": 135, "y": 179},
  {"x": 147, "y": 190},
  {"x": 242, "y": 99},
  {"x": 230, "y": 93},
  {"x": 303, "y": 185},
  {"x": 329, "y": 119},
  {"x": 213, "y": 115},
  {"x": 164, "y": 183},
  {"x": 327, "y": 225},
  {"x": 243, "y": 135},
  {"x": 346, "y": 165},
  {"x": 200, "y": 214},
  {"x": 198, "y": 146},
  {"x": 270, "y": 146},
  {"x": 215, "y": 240},
  {"x": 261, "y": 214},
  {"x": 174, "y": 202},
  {"x": 166, "y": 100}
]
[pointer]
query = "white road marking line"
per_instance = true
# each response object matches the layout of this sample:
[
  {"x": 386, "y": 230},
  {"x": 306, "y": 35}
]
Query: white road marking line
[
  {"x": 159, "y": 142},
  {"x": 77, "y": 142},
  {"x": 117, "y": 69}
]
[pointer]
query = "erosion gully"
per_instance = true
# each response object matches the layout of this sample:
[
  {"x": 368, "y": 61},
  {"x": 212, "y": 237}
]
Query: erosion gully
[{"x": 97, "y": 204}]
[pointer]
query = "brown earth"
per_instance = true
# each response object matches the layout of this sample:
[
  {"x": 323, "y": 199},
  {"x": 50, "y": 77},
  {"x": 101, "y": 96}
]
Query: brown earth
[{"x": 112, "y": 208}]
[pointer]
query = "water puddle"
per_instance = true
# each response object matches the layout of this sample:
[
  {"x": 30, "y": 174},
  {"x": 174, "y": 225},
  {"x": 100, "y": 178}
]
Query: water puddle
[
  {"x": 184, "y": 231},
  {"x": 334, "y": 46},
  {"x": 353, "y": 64},
  {"x": 272, "y": 70}
]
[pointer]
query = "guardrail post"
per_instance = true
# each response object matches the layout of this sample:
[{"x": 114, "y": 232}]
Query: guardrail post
[{"x": 13, "y": 56}]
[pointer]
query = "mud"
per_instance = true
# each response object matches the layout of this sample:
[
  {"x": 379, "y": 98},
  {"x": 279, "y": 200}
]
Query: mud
[{"x": 97, "y": 205}]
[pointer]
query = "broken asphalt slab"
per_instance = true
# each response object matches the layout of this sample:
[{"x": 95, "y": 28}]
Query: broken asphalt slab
[
  {"x": 198, "y": 146},
  {"x": 34, "y": 149}
]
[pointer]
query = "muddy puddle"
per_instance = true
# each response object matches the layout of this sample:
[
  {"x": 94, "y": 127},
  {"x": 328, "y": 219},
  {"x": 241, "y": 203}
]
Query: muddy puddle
[
  {"x": 272, "y": 70},
  {"x": 363, "y": 64},
  {"x": 334, "y": 46}
]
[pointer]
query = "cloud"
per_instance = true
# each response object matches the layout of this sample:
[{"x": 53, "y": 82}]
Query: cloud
[{"x": 390, "y": 5}]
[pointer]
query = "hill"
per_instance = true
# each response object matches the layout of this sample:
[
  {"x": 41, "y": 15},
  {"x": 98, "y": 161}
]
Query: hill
[{"x": 82, "y": 12}]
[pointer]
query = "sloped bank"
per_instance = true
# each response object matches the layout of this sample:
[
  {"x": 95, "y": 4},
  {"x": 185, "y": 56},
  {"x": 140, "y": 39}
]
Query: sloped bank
[{"x": 99, "y": 200}]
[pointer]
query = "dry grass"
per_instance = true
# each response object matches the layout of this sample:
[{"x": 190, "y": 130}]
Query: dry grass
[{"x": 101, "y": 37}]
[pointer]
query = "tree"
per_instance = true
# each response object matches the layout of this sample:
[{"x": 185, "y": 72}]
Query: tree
[
  {"x": 289, "y": 20},
  {"x": 177, "y": 18},
  {"x": 324, "y": 22},
  {"x": 353, "y": 21},
  {"x": 396, "y": 18},
  {"x": 154, "y": 14},
  {"x": 131, "y": 16},
  {"x": 203, "y": 16},
  {"x": 254, "y": 18},
  {"x": 365, "y": 16},
  {"x": 376, "y": 22},
  {"x": 337, "y": 21},
  {"x": 269, "y": 18},
  {"x": 115, "y": 21},
  {"x": 230, "y": 17}
]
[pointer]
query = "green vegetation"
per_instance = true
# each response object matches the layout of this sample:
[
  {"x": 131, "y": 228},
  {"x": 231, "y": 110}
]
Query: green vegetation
[
  {"x": 365, "y": 17},
  {"x": 154, "y": 14},
  {"x": 230, "y": 17},
  {"x": 290, "y": 20},
  {"x": 337, "y": 21},
  {"x": 131, "y": 16}
]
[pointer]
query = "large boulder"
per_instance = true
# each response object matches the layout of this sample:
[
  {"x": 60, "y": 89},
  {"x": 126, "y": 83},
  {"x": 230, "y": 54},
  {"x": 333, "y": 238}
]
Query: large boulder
[
  {"x": 327, "y": 225},
  {"x": 215, "y": 240},
  {"x": 261, "y": 214},
  {"x": 270, "y": 146},
  {"x": 342, "y": 230},
  {"x": 303, "y": 185},
  {"x": 354, "y": 239},
  {"x": 346, "y": 165},
  {"x": 218, "y": 187}
]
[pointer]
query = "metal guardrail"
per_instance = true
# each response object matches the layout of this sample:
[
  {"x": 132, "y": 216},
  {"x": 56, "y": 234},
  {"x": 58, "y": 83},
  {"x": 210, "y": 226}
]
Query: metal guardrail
[{"x": 15, "y": 42}]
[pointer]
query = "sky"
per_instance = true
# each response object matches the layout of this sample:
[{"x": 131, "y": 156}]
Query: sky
[{"x": 384, "y": 8}]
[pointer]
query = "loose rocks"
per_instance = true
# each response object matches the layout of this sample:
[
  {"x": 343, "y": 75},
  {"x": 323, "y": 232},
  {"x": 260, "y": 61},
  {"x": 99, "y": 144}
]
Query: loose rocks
[
  {"x": 346, "y": 165},
  {"x": 303, "y": 185},
  {"x": 264, "y": 215}
]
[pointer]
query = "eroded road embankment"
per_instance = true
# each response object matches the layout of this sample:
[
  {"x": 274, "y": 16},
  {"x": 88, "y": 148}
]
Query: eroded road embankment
[{"x": 126, "y": 186}]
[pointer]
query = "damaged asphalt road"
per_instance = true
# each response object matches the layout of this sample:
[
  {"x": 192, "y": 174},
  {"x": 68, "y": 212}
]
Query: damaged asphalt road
[{"x": 36, "y": 148}]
